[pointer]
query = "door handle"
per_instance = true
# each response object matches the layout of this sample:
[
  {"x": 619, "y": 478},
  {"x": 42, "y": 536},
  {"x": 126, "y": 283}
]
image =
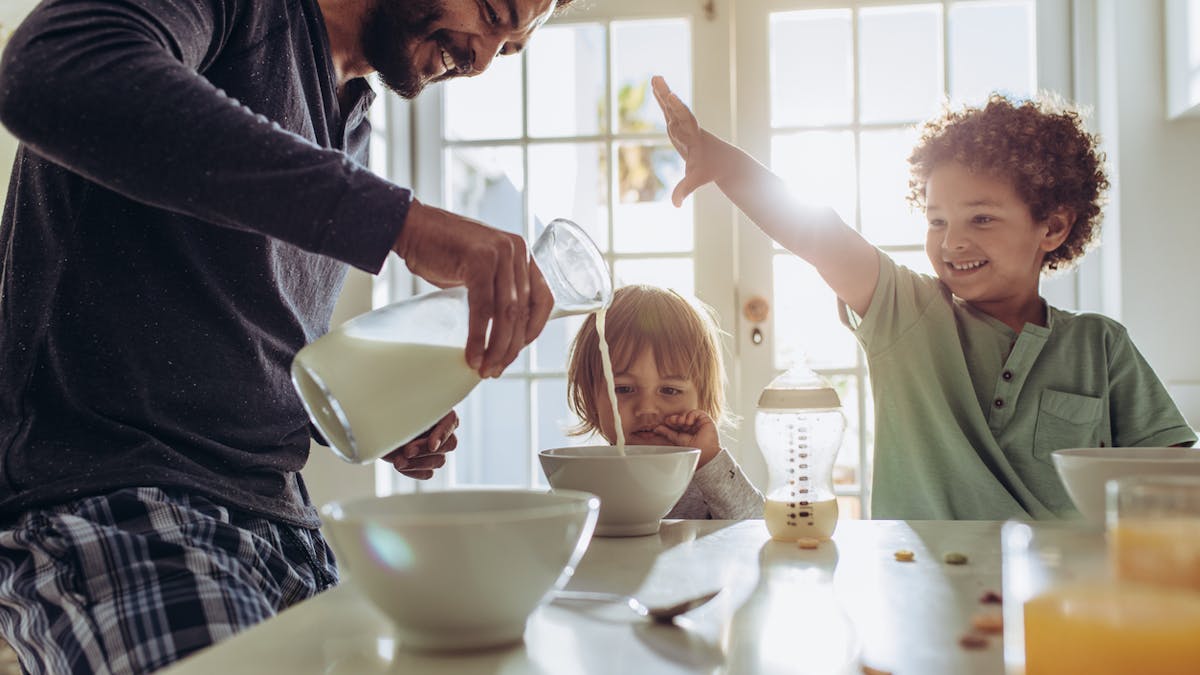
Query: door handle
[{"x": 756, "y": 310}]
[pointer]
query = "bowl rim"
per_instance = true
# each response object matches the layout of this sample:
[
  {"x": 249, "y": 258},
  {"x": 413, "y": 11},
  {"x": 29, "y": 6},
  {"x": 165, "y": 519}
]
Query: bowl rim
[
  {"x": 1106, "y": 454},
  {"x": 666, "y": 450},
  {"x": 338, "y": 510}
]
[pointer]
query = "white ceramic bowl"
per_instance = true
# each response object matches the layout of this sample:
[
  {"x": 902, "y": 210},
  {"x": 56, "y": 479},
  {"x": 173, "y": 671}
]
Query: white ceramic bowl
[
  {"x": 460, "y": 569},
  {"x": 636, "y": 490},
  {"x": 1084, "y": 471}
]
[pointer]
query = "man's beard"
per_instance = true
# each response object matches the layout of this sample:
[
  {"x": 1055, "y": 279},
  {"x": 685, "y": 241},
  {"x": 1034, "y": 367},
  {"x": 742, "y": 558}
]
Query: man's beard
[{"x": 390, "y": 31}]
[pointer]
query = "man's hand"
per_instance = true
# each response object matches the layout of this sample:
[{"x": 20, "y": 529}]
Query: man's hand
[
  {"x": 504, "y": 286},
  {"x": 693, "y": 429},
  {"x": 419, "y": 457}
]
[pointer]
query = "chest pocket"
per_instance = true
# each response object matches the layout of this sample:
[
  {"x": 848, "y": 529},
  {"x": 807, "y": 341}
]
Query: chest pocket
[{"x": 1067, "y": 421}]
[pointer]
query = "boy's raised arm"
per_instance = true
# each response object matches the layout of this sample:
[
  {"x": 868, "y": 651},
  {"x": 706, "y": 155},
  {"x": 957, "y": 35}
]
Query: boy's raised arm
[{"x": 847, "y": 262}]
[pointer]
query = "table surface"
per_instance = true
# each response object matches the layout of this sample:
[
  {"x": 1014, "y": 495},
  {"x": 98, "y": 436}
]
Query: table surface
[{"x": 846, "y": 605}]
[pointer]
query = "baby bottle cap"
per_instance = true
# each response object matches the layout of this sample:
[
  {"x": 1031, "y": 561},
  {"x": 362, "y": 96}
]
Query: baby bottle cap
[{"x": 799, "y": 388}]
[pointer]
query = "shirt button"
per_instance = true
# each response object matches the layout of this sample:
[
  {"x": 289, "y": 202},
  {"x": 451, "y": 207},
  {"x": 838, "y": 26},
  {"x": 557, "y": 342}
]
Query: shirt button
[
  {"x": 999, "y": 403},
  {"x": 1007, "y": 375}
]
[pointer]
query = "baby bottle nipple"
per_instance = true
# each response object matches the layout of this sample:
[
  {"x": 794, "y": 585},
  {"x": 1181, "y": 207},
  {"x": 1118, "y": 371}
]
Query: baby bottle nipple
[{"x": 798, "y": 426}]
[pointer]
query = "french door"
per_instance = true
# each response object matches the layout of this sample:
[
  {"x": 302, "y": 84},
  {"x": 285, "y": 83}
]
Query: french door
[{"x": 826, "y": 93}]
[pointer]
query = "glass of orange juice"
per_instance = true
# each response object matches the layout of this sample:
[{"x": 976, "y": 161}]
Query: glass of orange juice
[
  {"x": 1040, "y": 561},
  {"x": 1074, "y": 604},
  {"x": 1154, "y": 530}
]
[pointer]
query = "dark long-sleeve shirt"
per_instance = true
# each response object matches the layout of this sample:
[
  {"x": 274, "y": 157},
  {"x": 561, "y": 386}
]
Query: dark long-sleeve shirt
[{"x": 186, "y": 196}]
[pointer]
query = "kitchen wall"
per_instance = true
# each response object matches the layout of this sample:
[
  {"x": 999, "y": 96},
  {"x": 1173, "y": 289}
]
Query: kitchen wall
[{"x": 1155, "y": 219}]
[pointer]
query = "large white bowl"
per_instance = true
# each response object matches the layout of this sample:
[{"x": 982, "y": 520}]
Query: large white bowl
[
  {"x": 636, "y": 490},
  {"x": 1084, "y": 471},
  {"x": 461, "y": 569}
]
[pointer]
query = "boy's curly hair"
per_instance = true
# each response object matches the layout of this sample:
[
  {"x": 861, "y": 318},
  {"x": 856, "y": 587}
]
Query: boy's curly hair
[{"x": 1039, "y": 145}]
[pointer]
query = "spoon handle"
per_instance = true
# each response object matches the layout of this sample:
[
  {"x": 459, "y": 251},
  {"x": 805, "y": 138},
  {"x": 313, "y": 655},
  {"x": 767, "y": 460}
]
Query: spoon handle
[{"x": 597, "y": 596}]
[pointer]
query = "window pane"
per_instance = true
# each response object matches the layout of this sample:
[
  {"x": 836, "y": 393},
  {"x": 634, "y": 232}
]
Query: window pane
[
  {"x": 847, "y": 473},
  {"x": 570, "y": 181},
  {"x": 901, "y": 62},
  {"x": 378, "y": 149},
  {"x": 811, "y": 68},
  {"x": 818, "y": 166},
  {"x": 554, "y": 418},
  {"x": 486, "y": 106},
  {"x": 485, "y": 183},
  {"x": 566, "y": 81},
  {"x": 916, "y": 261},
  {"x": 645, "y": 219},
  {"x": 642, "y": 49},
  {"x": 673, "y": 273},
  {"x": 886, "y": 215},
  {"x": 493, "y": 435},
  {"x": 807, "y": 328},
  {"x": 991, "y": 49},
  {"x": 555, "y": 340},
  {"x": 849, "y": 508}
]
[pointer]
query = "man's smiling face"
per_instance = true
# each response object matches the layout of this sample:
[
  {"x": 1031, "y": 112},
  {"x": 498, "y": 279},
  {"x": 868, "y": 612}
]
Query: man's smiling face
[{"x": 412, "y": 43}]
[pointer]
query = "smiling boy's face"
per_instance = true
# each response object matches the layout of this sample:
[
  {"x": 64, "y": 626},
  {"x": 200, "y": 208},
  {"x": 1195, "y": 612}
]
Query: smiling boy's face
[
  {"x": 644, "y": 398},
  {"x": 414, "y": 43},
  {"x": 982, "y": 240}
]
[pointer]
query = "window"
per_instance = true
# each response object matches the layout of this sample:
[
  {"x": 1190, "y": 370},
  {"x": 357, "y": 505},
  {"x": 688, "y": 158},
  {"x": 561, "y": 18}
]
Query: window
[
  {"x": 567, "y": 129},
  {"x": 825, "y": 93},
  {"x": 836, "y": 117}
]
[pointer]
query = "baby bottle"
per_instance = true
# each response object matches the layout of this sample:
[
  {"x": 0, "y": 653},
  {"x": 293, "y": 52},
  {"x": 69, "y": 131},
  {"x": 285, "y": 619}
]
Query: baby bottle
[
  {"x": 381, "y": 379},
  {"x": 798, "y": 426}
]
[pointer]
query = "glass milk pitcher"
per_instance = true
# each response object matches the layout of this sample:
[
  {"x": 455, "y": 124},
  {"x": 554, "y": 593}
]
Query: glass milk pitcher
[
  {"x": 798, "y": 426},
  {"x": 381, "y": 379}
]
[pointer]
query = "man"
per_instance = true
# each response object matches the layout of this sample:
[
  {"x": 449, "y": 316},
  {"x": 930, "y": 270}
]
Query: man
[{"x": 188, "y": 193}]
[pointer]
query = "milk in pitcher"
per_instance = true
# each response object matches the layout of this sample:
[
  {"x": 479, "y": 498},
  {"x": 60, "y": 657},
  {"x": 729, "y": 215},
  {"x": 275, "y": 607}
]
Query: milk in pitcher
[{"x": 387, "y": 392}]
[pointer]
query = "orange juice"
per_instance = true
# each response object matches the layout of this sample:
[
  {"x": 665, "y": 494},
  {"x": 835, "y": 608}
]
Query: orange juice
[
  {"x": 1112, "y": 629},
  {"x": 1162, "y": 551}
]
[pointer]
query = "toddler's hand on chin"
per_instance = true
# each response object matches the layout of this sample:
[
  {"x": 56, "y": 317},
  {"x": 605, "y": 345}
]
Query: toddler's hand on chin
[{"x": 693, "y": 429}]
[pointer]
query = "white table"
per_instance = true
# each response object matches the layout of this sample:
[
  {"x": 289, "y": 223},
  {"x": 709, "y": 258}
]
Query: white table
[{"x": 783, "y": 610}]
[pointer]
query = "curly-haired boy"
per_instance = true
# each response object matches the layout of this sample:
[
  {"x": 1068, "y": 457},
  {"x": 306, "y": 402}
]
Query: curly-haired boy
[{"x": 976, "y": 378}]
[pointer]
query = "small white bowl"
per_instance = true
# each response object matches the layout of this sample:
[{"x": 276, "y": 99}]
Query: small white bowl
[
  {"x": 636, "y": 490},
  {"x": 1084, "y": 471},
  {"x": 461, "y": 569}
]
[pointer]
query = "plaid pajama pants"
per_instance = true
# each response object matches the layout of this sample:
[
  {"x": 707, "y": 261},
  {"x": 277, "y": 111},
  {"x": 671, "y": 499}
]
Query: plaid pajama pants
[{"x": 132, "y": 581}]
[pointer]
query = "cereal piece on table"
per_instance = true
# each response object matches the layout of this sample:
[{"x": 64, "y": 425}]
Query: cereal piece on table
[
  {"x": 808, "y": 542},
  {"x": 868, "y": 670},
  {"x": 991, "y": 598},
  {"x": 973, "y": 641},
  {"x": 988, "y": 622},
  {"x": 955, "y": 558},
  {"x": 904, "y": 555}
]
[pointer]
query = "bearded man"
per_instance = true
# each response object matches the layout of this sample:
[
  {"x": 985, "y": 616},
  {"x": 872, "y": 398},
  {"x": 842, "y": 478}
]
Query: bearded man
[{"x": 187, "y": 195}]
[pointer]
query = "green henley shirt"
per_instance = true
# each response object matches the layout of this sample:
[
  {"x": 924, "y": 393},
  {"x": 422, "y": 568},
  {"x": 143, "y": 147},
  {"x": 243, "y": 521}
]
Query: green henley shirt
[{"x": 967, "y": 411}]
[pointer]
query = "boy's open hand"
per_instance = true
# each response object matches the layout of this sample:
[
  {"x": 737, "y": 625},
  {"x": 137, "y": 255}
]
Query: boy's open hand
[
  {"x": 687, "y": 137},
  {"x": 693, "y": 429}
]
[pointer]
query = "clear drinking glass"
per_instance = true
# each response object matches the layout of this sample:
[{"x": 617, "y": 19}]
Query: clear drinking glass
[
  {"x": 1045, "y": 566},
  {"x": 1065, "y": 612},
  {"x": 1154, "y": 530},
  {"x": 381, "y": 379}
]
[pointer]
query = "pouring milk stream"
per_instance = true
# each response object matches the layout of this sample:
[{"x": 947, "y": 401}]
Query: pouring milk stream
[{"x": 381, "y": 379}]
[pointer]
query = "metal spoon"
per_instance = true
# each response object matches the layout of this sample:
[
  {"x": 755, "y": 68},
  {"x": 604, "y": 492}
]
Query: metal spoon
[{"x": 664, "y": 614}]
